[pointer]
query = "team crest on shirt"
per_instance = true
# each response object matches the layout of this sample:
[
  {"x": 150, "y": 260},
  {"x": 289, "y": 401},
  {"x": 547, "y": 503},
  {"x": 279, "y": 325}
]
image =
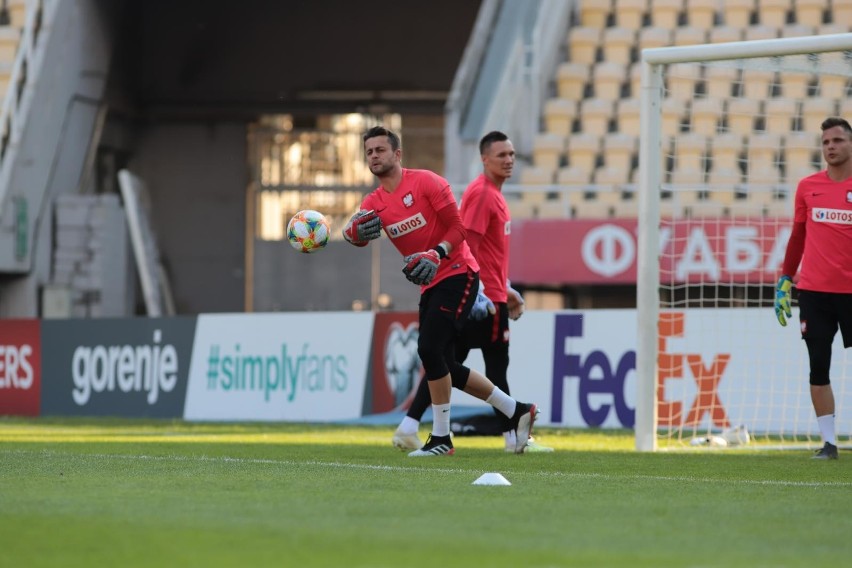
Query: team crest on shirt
[
  {"x": 849, "y": 197},
  {"x": 408, "y": 200},
  {"x": 507, "y": 228}
]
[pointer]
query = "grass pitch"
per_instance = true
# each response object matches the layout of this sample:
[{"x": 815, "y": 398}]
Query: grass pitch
[{"x": 153, "y": 493}]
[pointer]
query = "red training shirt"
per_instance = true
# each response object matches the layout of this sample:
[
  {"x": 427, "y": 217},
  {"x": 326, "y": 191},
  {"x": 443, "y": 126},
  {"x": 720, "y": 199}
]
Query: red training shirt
[
  {"x": 412, "y": 220},
  {"x": 825, "y": 206},
  {"x": 485, "y": 213}
]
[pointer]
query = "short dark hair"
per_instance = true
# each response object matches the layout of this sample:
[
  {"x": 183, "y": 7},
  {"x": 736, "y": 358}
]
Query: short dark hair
[
  {"x": 489, "y": 139},
  {"x": 382, "y": 131},
  {"x": 833, "y": 121}
]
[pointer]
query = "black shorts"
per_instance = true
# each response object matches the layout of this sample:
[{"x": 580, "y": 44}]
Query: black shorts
[
  {"x": 821, "y": 313},
  {"x": 444, "y": 310},
  {"x": 491, "y": 331}
]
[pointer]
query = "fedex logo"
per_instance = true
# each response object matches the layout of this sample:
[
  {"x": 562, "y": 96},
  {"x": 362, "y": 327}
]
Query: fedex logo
[{"x": 600, "y": 379}]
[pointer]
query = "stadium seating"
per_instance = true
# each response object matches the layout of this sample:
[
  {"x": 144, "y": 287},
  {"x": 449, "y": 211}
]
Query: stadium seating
[{"x": 723, "y": 131}]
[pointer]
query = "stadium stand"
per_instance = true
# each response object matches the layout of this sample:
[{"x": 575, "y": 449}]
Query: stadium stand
[{"x": 720, "y": 127}]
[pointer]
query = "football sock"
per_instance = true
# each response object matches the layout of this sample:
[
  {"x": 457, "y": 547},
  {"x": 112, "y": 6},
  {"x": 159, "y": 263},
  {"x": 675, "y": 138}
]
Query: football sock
[
  {"x": 502, "y": 402},
  {"x": 440, "y": 419},
  {"x": 826, "y": 427},
  {"x": 408, "y": 426}
]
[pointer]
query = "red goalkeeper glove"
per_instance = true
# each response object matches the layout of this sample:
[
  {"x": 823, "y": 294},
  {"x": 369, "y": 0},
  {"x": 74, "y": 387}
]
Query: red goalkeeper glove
[
  {"x": 363, "y": 227},
  {"x": 421, "y": 267}
]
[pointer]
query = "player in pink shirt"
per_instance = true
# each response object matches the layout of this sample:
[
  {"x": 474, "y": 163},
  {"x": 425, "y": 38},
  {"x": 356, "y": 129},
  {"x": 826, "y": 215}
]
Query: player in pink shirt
[
  {"x": 822, "y": 241},
  {"x": 419, "y": 214},
  {"x": 487, "y": 221}
]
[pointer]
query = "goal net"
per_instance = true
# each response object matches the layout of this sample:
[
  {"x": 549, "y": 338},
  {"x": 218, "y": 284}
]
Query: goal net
[{"x": 727, "y": 130}]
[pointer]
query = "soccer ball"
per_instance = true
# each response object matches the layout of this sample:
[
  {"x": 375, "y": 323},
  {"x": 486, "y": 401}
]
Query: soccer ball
[{"x": 308, "y": 231}]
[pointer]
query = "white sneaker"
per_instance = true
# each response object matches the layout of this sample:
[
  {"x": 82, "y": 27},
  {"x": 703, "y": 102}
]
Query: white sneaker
[
  {"x": 534, "y": 447},
  {"x": 406, "y": 442}
]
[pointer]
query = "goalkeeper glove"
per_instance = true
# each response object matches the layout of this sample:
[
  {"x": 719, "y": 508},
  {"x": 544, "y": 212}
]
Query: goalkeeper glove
[
  {"x": 482, "y": 306},
  {"x": 782, "y": 299},
  {"x": 363, "y": 227},
  {"x": 421, "y": 267}
]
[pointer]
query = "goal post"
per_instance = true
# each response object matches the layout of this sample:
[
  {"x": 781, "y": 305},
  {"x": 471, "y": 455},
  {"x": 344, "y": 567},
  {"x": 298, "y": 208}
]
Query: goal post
[{"x": 715, "y": 187}]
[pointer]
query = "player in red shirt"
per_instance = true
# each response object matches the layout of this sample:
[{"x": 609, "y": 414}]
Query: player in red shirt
[
  {"x": 419, "y": 214},
  {"x": 822, "y": 241},
  {"x": 487, "y": 221}
]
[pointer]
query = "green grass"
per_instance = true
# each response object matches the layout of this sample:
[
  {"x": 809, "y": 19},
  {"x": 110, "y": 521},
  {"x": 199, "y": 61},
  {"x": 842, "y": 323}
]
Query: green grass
[{"x": 155, "y": 493}]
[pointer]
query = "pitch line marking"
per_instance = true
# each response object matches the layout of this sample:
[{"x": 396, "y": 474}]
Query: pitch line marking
[{"x": 392, "y": 468}]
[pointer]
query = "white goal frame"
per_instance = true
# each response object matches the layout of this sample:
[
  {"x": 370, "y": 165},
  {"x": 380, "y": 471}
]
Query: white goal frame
[{"x": 650, "y": 178}]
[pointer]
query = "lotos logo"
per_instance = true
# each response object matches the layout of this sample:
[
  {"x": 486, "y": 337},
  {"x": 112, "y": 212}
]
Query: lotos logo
[
  {"x": 406, "y": 226},
  {"x": 142, "y": 368},
  {"x": 840, "y": 216}
]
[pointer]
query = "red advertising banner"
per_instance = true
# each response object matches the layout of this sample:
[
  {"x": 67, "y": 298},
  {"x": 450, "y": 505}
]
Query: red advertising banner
[
  {"x": 20, "y": 367},
  {"x": 396, "y": 366},
  {"x": 571, "y": 251}
]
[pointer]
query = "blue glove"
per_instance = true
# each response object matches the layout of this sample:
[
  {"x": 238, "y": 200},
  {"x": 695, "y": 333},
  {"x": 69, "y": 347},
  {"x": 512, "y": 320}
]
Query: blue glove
[
  {"x": 482, "y": 306},
  {"x": 782, "y": 299},
  {"x": 421, "y": 267},
  {"x": 363, "y": 227}
]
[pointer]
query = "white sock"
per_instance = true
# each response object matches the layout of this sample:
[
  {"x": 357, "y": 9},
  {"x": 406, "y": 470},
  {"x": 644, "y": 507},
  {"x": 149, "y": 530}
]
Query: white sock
[
  {"x": 408, "y": 426},
  {"x": 826, "y": 427},
  {"x": 502, "y": 402},
  {"x": 441, "y": 419},
  {"x": 510, "y": 438}
]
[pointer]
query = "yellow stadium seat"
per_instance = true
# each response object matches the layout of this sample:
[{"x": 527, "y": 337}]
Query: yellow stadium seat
[
  {"x": 583, "y": 150},
  {"x": 797, "y": 30},
  {"x": 724, "y": 34},
  {"x": 799, "y": 151},
  {"x": 521, "y": 209},
  {"x": 628, "y": 116},
  {"x": 725, "y": 150},
  {"x": 595, "y": 115},
  {"x": 705, "y": 115},
  {"x": 846, "y": 107},
  {"x": 689, "y": 35},
  {"x": 737, "y": 13},
  {"x": 833, "y": 86},
  {"x": 762, "y": 151},
  {"x": 547, "y": 150},
  {"x": 673, "y": 112},
  {"x": 536, "y": 175},
  {"x": 796, "y": 84},
  {"x": 574, "y": 175},
  {"x": 583, "y": 43},
  {"x": 608, "y": 78},
  {"x": 741, "y": 114},
  {"x": 760, "y": 31},
  {"x": 773, "y": 12},
  {"x": 635, "y": 78},
  {"x": 757, "y": 84},
  {"x": 810, "y": 12},
  {"x": 719, "y": 81},
  {"x": 814, "y": 111},
  {"x": 9, "y": 39},
  {"x": 701, "y": 13},
  {"x": 571, "y": 79},
  {"x": 689, "y": 153},
  {"x": 594, "y": 13},
  {"x": 559, "y": 115},
  {"x": 611, "y": 176},
  {"x": 724, "y": 177},
  {"x": 681, "y": 79},
  {"x": 618, "y": 45},
  {"x": 841, "y": 12},
  {"x": 618, "y": 151},
  {"x": 666, "y": 13},
  {"x": 780, "y": 115},
  {"x": 630, "y": 13},
  {"x": 653, "y": 36}
]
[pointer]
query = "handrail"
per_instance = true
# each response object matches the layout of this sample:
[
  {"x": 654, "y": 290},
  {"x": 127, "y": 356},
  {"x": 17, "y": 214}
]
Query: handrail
[{"x": 16, "y": 104}]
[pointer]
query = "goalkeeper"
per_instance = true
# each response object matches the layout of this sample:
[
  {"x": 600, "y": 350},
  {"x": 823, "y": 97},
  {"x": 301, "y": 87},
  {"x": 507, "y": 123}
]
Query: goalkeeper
[
  {"x": 487, "y": 223},
  {"x": 418, "y": 212},
  {"x": 822, "y": 241}
]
